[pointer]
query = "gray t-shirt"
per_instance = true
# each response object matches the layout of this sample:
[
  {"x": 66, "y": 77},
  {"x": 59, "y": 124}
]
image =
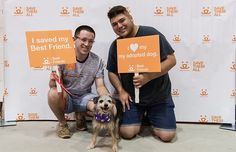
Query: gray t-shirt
[{"x": 78, "y": 78}]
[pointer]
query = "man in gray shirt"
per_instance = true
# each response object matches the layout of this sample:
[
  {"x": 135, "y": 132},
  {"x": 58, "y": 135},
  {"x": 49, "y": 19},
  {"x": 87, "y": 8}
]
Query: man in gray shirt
[{"x": 77, "y": 79}]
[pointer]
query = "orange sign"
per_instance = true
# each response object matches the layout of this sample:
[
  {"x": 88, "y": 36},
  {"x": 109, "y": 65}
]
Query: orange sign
[
  {"x": 48, "y": 48},
  {"x": 139, "y": 54}
]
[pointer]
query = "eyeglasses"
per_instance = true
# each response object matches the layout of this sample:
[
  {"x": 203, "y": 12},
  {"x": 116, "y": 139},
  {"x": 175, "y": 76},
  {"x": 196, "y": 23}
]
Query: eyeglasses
[{"x": 84, "y": 40}]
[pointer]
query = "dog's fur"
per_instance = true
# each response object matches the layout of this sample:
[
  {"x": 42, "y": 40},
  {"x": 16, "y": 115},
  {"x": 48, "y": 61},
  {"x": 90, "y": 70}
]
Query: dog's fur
[{"x": 105, "y": 118}]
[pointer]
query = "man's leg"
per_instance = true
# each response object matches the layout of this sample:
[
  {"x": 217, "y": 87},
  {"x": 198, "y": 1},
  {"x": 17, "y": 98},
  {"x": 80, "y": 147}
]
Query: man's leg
[
  {"x": 84, "y": 106},
  {"x": 131, "y": 121},
  {"x": 80, "y": 121},
  {"x": 162, "y": 119},
  {"x": 57, "y": 105}
]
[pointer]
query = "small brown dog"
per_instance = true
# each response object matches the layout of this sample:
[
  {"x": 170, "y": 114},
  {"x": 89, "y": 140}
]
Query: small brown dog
[{"x": 105, "y": 118}]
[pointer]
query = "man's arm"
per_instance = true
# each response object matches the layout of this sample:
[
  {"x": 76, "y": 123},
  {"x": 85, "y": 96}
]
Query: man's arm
[
  {"x": 100, "y": 86},
  {"x": 115, "y": 81},
  {"x": 124, "y": 97},
  {"x": 166, "y": 65}
]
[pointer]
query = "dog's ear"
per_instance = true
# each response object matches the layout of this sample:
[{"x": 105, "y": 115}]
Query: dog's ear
[
  {"x": 114, "y": 110},
  {"x": 113, "y": 100},
  {"x": 95, "y": 100}
]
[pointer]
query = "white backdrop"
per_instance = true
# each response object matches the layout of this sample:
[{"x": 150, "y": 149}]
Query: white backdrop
[{"x": 202, "y": 32}]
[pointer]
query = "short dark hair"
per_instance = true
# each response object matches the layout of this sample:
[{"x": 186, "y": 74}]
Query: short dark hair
[
  {"x": 84, "y": 27},
  {"x": 116, "y": 10}
]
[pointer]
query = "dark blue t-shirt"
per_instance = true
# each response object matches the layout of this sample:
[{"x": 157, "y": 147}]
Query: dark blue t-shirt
[{"x": 155, "y": 90}]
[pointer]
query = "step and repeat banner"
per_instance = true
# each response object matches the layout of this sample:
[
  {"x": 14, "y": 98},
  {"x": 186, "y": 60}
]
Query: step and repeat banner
[{"x": 202, "y": 32}]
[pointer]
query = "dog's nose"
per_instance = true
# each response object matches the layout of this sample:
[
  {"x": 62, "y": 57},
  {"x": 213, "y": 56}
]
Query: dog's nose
[{"x": 105, "y": 105}]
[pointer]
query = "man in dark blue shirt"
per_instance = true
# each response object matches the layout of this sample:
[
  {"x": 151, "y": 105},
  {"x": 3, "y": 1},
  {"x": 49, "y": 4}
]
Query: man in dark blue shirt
[{"x": 155, "y": 88}]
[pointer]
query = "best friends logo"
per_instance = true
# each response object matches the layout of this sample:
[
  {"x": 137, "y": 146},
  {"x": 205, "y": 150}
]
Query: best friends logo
[
  {"x": 213, "y": 11},
  {"x": 177, "y": 38},
  {"x": 25, "y": 11},
  {"x": 234, "y": 39},
  {"x": 168, "y": 11},
  {"x": 75, "y": 11},
  {"x": 175, "y": 93}
]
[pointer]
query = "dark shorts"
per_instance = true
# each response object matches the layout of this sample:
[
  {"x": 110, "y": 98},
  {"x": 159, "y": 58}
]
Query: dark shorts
[{"x": 160, "y": 116}]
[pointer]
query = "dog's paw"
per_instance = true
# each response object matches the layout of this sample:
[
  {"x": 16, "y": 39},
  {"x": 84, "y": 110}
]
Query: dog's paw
[
  {"x": 91, "y": 146},
  {"x": 114, "y": 148},
  {"x": 117, "y": 137}
]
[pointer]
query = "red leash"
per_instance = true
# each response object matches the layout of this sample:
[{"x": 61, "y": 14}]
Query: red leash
[{"x": 56, "y": 77}]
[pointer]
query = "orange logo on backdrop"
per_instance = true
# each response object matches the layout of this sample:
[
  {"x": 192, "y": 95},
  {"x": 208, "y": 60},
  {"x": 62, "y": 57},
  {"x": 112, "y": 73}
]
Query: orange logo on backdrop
[
  {"x": 47, "y": 48},
  {"x": 206, "y": 11},
  {"x": 5, "y": 92},
  {"x": 18, "y": 11},
  {"x": 25, "y": 11},
  {"x": 184, "y": 66},
  {"x": 214, "y": 11},
  {"x": 6, "y": 64},
  {"x": 33, "y": 116},
  {"x": 30, "y": 11},
  {"x": 20, "y": 117},
  {"x": 158, "y": 11},
  {"x": 206, "y": 39},
  {"x": 171, "y": 11},
  {"x": 217, "y": 119},
  {"x": 140, "y": 54},
  {"x": 77, "y": 11},
  {"x": 5, "y": 38},
  {"x": 198, "y": 65},
  {"x": 33, "y": 92},
  {"x": 219, "y": 10},
  {"x": 203, "y": 93},
  {"x": 233, "y": 67},
  {"x": 234, "y": 39},
  {"x": 176, "y": 39},
  {"x": 175, "y": 92},
  {"x": 203, "y": 119},
  {"x": 233, "y": 93},
  {"x": 65, "y": 11}
]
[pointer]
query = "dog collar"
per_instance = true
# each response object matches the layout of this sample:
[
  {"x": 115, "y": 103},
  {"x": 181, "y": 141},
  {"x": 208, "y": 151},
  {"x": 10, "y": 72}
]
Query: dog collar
[{"x": 102, "y": 117}]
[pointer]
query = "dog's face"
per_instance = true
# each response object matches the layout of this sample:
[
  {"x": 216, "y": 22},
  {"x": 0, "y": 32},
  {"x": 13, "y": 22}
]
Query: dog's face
[{"x": 105, "y": 104}]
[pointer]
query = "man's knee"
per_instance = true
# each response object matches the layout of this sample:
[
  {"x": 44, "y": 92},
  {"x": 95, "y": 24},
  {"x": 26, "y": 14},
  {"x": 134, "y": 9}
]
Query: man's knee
[
  {"x": 165, "y": 136},
  {"x": 53, "y": 96},
  {"x": 90, "y": 106},
  {"x": 52, "y": 92},
  {"x": 129, "y": 132}
]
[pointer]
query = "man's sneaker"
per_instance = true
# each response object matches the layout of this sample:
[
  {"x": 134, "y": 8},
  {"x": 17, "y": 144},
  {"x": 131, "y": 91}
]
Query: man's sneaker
[
  {"x": 81, "y": 124},
  {"x": 63, "y": 131}
]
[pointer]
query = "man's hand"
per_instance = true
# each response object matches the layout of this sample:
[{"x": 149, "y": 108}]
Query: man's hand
[
  {"x": 52, "y": 81},
  {"x": 125, "y": 99},
  {"x": 143, "y": 78},
  {"x": 140, "y": 80}
]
